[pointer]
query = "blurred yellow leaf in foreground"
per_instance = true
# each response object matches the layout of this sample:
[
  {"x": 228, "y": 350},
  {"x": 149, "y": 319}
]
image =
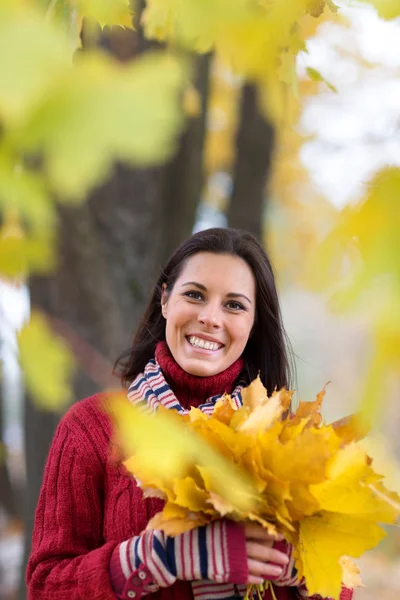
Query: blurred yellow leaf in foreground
[
  {"x": 33, "y": 53},
  {"x": 102, "y": 111},
  {"x": 359, "y": 259},
  {"x": 163, "y": 450},
  {"x": 105, "y": 12},
  {"x": 387, "y": 9},
  {"x": 47, "y": 364}
]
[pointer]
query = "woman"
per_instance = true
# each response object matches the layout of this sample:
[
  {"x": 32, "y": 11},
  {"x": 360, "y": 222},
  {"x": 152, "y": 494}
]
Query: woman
[{"x": 213, "y": 322}]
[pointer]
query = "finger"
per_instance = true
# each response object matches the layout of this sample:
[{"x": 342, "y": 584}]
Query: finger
[
  {"x": 255, "y": 580},
  {"x": 257, "y": 531},
  {"x": 263, "y": 553},
  {"x": 262, "y": 570}
]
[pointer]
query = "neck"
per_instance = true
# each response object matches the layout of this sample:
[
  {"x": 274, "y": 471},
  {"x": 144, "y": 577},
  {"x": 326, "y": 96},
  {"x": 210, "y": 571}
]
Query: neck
[{"x": 192, "y": 390}]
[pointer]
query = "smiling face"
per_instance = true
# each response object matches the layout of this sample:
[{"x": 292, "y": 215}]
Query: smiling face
[{"x": 210, "y": 312}]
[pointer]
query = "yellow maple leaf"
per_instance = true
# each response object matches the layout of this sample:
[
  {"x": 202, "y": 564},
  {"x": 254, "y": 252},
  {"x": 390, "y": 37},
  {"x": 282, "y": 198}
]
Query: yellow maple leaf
[
  {"x": 239, "y": 417},
  {"x": 350, "y": 573},
  {"x": 216, "y": 482},
  {"x": 291, "y": 429},
  {"x": 224, "y": 409},
  {"x": 350, "y": 488},
  {"x": 260, "y": 411},
  {"x": 132, "y": 433},
  {"x": 303, "y": 458},
  {"x": 189, "y": 495},
  {"x": 285, "y": 398},
  {"x": 311, "y": 410},
  {"x": 351, "y": 428},
  {"x": 221, "y": 506},
  {"x": 365, "y": 236},
  {"x": 251, "y": 462},
  {"x": 37, "y": 52},
  {"x": 387, "y": 9},
  {"x": 105, "y": 12},
  {"x": 22, "y": 251},
  {"x": 297, "y": 476},
  {"x": 254, "y": 394},
  {"x": 42, "y": 351},
  {"x": 302, "y": 502},
  {"x": 174, "y": 520},
  {"x": 162, "y": 449},
  {"x": 263, "y": 416},
  {"x": 196, "y": 414},
  {"x": 324, "y": 539},
  {"x": 221, "y": 437},
  {"x": 270, "y": 527}
]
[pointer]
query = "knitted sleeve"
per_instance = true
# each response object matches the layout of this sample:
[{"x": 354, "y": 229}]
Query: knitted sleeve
[
  {"x": 152, "y": 560},
  {"x": 69, "y": 559}
]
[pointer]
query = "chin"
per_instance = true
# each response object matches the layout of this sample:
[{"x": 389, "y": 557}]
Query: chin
[{"x": 201, "y": 370}]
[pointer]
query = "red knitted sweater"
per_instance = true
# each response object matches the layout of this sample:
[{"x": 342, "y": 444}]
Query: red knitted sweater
[{"x": 88, "y": 505}]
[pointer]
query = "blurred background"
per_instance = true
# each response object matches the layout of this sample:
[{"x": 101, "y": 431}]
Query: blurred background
[{"x": 121, "y": 141}]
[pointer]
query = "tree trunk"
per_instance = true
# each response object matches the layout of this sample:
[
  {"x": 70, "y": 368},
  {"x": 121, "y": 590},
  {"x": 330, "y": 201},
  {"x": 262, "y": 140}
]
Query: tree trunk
[
  {"x": 185, "y": 175},
  {"x": 110, "y": 250},
  {"x": 254, "y": 148}
]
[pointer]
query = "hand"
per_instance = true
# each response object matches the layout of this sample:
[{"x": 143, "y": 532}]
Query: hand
[{"x": 260, "y": 554}]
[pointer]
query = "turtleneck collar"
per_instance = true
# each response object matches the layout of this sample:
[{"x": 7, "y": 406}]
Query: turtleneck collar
[{"x": 192, "y": 390}]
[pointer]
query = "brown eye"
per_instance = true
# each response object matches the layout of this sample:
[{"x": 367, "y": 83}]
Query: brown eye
[
  {"x": 234, "y": 305},
  {"x": 194, "y": 295}
]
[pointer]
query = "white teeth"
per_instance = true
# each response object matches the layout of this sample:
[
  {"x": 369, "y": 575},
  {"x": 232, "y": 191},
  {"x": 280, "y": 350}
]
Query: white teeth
[{"x": 199, "y": 343}]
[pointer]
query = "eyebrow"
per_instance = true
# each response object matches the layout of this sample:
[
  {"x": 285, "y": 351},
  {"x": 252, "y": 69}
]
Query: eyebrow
[{"x": 203, "y": 287}]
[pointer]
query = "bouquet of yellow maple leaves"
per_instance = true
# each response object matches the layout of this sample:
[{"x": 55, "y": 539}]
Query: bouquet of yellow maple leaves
[{"x": 286, "y": 470}]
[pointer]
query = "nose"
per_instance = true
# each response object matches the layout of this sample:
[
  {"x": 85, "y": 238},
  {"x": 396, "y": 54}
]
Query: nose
[{"x": 210, "y": 316}]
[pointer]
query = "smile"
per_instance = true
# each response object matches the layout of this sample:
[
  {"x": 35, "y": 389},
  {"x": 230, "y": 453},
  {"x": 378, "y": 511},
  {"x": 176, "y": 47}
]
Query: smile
[{"x": 197, "y": 342}]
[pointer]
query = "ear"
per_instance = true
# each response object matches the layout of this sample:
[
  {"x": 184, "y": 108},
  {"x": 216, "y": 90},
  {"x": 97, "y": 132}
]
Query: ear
[{"x": 164, "y": 300}]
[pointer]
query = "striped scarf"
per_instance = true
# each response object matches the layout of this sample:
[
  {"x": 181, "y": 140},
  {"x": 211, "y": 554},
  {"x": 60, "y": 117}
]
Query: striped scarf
[{"x": 149, "y": 391}]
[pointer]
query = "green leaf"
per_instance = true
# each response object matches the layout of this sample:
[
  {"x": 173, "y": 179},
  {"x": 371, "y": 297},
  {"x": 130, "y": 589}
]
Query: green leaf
[
  {"x": 106, "y": 12},
  {"x": 316, "y": 76},
  {"x": 47, "y": 364},
  {"x": 101, "y": 112},
  {"x": 33, "y": 54},
  {"x": 20, "y": 255},
  {"x": 386, "y": 9},
  {"x": 25, "y": 192}
]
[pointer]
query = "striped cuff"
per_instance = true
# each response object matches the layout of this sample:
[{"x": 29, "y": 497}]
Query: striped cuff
[
  {"x": 144, "y": 563},
  {"x": 288, "y": 577}
]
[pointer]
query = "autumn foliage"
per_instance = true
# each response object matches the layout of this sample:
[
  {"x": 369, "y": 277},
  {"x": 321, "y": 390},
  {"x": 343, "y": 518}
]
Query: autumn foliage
[{"x": 288, "y": 471}]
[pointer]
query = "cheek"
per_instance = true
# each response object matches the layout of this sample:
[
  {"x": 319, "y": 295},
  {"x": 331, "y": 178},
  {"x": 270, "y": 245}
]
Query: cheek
[
  {"x": 179, "y": 314},
  {"x": 240, "y": 332}
]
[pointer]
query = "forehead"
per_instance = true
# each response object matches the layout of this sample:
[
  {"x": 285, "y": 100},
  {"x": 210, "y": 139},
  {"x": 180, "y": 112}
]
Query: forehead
[{"x": 223, "y": 270}]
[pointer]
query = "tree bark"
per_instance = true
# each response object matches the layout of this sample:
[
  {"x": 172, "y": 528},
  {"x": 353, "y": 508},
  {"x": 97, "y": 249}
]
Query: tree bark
[
  {"x": 184, "y": 175},
  {"x": 254, "y": 149},
  {"x": 109, "y": 251}
]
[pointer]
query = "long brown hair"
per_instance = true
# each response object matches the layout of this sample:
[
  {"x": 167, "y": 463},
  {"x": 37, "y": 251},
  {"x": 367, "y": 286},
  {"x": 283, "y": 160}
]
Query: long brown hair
[{"x": 268, "y": 349}]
